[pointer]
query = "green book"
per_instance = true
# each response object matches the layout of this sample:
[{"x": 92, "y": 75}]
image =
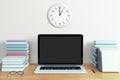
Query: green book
[{"x": 16, "y": 48}]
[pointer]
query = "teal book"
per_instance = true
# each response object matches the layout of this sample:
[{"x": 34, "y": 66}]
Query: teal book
[{"x": 105, "y": 46}]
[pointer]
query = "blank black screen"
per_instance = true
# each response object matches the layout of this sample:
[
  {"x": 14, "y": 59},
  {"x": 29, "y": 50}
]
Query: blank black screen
[{"x": 60, "y": 49}]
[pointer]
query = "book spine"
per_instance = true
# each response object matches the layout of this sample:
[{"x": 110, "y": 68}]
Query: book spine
[
  {"x": 16, "y": 49},
  {"x": 13, "y": 66},
  {"x": 99, "y": 59},
  {"x": 16, "y": 40},
  {"x": 13, "y": 69},
  {"x": 17, "y": 45},
  {"x": 105, "y": 42},
  {"x": 12, "y": 62},
  {"x": 105, "y": 46},
  {"x": 17, "y": 52}
]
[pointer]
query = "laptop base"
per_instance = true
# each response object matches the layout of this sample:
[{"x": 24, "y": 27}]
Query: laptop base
[{"x": 38, "y": 71}]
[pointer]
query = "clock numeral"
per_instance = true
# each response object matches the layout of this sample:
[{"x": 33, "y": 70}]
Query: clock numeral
[
  {"x": 51, "y": 15},
  {"x": 55, "y": 22},
  {"x": 63, "y": 22},
  {"x": 52, "y": 19},
  {"x": 59, "y": 23},
  {"x": 55, "y": 8},
  {"x": 67, "y": 11},
  {"x": 53, "y": 11},
  {"x": 66, "y": 19},
  {"x": 68, "y": 15}
]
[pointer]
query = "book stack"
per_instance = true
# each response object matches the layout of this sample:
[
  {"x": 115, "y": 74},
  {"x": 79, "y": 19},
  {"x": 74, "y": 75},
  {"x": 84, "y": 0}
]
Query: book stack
[
  {"x": 105, "y": 56},
  {"x": 17, "y": 55},
  {"x": 13, "y": 63}
]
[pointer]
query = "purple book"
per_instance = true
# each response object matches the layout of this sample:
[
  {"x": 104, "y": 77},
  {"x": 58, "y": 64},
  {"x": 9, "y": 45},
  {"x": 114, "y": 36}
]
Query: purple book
[
  {"x": 99, "y": 60},
  {"x": 16, "y": 40}
]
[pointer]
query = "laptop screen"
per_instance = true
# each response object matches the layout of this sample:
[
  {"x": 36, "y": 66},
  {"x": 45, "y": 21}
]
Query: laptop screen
[{"x": 60, "y": 49}]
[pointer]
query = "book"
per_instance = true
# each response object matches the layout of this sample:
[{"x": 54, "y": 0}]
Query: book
[
  {"x": 17, "y": 49},
  {"x": 110, "y": 60},
  {"x": 17, "y": 45},
  {"x": 13, "y": 65},
  {"x": 99, "y": 59},
  {"x": 17, "y": 41},
  {"x": 13, "y": 60},
  {"x": 17, "y": 52},
  {"x": 13, "y": 69},
  {"x": 105, "y": 46},
  {"x": 105, "y": 42}
]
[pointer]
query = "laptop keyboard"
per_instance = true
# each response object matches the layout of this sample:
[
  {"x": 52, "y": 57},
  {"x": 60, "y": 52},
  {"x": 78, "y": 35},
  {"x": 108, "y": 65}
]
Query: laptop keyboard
[{"x": 60, "y": 68}]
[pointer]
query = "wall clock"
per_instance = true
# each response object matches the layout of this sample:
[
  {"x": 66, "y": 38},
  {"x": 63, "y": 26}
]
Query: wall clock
[{"x": 59, "y": 15}]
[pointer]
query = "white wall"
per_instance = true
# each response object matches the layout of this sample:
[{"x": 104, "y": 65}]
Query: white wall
[{"x": 25, "y": 19}]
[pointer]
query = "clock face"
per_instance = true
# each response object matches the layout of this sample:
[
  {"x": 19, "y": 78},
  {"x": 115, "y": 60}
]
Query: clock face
[{"x": 59, "y": 15}]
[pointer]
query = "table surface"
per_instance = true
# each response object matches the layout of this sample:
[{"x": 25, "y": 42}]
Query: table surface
[{"x": 29, "y": 75}]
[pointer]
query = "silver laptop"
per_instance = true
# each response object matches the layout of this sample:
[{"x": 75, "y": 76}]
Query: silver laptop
[{"x": 60, "y": 53}]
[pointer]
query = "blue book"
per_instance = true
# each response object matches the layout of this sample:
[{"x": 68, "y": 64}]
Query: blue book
[{"x": 17, "y": 45}]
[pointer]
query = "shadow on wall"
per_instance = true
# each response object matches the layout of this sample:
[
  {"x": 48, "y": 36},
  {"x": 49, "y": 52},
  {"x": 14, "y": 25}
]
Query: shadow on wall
[
  {"x": 2, "y": 50},
  {"x": 33, "y": 51},
  {"x": 87, "y": 52}
]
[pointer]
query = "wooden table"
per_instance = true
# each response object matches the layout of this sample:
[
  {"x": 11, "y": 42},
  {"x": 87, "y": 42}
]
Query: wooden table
[{"x": 29, "y": 75}]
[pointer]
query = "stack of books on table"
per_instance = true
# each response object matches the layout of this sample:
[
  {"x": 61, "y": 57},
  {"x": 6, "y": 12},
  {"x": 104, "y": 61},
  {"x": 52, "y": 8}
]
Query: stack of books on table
[
  {"x": 13, "y": 63},
  {"x": 105, "y": 56},
  {"x": 17, "y": 55}
]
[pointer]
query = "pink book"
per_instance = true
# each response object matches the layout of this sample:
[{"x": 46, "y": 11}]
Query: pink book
[{"x": 17, "y": 52}]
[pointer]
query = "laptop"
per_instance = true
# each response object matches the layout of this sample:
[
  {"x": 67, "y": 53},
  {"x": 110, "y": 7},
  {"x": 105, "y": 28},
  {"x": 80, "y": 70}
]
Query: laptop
[{"x": 60, "y": 53}]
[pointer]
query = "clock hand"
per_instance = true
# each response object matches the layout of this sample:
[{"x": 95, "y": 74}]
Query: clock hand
[{"x": 60, "y": 12}]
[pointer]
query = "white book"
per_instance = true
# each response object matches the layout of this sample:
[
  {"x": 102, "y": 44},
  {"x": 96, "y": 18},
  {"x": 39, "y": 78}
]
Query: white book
[
  {"x": 105, "y": 42},
  {"x": 13, "y": 60},
  {"x": 110, "y": 60},
  {"x": 13, "y": 65},
  {"x": 13, "y": 69},
  {"x": 16, "y": 42}
]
